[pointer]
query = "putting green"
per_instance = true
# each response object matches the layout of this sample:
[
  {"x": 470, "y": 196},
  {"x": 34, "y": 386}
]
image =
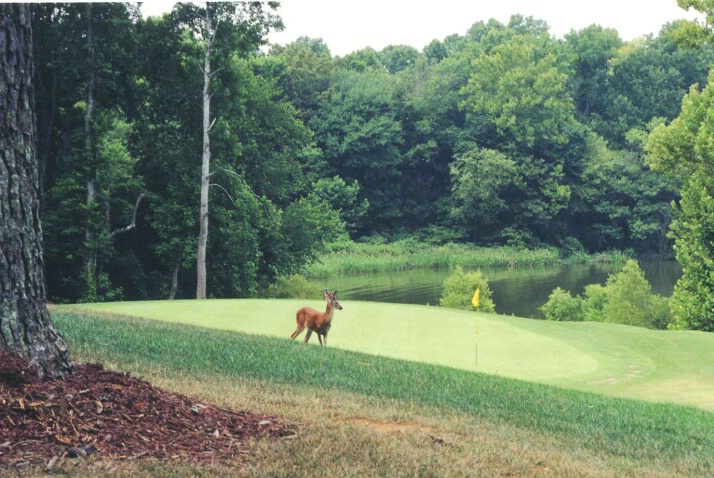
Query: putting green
[{"x": 603, "y": 358}]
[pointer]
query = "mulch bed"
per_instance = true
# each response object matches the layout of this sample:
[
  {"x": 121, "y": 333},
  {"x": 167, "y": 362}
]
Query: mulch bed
[{"x": 116, "y": 416}]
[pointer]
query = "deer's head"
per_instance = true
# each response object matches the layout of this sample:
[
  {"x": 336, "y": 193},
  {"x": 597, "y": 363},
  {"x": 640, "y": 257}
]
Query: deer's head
[{"x": 331, "y": 298}]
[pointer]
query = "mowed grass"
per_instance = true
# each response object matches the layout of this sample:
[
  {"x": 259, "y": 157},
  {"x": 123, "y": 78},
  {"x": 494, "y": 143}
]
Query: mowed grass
[
  {"x": 623, "y": 361},
  {"x": 363, "y": 415}
]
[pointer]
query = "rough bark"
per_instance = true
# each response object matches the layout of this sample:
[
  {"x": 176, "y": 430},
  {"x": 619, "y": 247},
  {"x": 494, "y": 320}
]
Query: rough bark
[
  {"x": 201, "y": 272},
  {"x": 25, "y": 325}
]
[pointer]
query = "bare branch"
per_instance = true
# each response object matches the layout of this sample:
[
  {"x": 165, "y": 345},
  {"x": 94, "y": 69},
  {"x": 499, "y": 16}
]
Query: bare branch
[
  {"x": 258, "y": 198},
  {"x": 225, "y": 191},
  {"x": 223, "y": 170},
  {"x": 215, "y": 72},
  {"x": 132, "y": 225},
  {"x": 214, "y": 30}
]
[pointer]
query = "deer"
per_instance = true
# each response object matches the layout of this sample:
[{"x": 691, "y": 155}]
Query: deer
[{"x": 317, "y": 321}]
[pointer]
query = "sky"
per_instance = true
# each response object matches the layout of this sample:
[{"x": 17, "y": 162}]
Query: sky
[{"x": 347, "y": 26}]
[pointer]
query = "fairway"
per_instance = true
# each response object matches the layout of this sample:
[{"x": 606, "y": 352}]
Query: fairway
[{"x": 616, "y": 360}]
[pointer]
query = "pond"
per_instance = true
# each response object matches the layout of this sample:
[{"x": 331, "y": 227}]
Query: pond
[{"x": 516, "y": 291}]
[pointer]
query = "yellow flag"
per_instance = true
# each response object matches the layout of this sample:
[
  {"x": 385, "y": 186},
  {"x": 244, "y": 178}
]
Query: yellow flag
[{"x": 477, "y": 296}]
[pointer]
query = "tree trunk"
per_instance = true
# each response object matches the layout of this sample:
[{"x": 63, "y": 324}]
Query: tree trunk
[
  {"x": 90, "y": 236},
  {"x": 25, "y": 325},
  {"x": 174, "y": 280},
  {"x": 205, "y": 164}
]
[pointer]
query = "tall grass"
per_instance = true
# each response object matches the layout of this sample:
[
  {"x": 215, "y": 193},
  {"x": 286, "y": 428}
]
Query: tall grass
[
  {"x": 355, "y": 258},
  {"x": 679, "y": 436}
]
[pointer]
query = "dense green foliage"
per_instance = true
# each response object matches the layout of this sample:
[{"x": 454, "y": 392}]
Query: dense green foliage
[
  {"x": 460, "y": 290},
  {"x": 626, "y": 298},
  {"x": 623, "y": 428},
  {"x": 502, "y": 136},
  {"x": 562, "y": 305},
  {"x": 295, "y": 286},
  {"x": 683, "y": 151},
  {"x": 693, "y": 298}
]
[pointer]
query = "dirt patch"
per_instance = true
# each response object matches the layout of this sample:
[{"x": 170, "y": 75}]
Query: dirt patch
[
  {"x": 384, "y": 426},
  {"x": 116, "y": 416},
  {"x": 388, "y": 427}
]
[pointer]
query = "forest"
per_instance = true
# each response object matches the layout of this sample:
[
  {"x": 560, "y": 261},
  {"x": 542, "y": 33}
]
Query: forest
[{"x": 505, "y": 135}]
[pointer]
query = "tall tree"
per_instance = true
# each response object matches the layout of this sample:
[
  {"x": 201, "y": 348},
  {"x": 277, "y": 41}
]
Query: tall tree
[
  {"x": 592, "y": 48},
  {"x": 25, "y": 324},
  {"x": 360, "y": 137},
  {"x": 427, "y": 101},
  {"x": 306, "y": 74},
  {"x": 683, "y": 151},
  {"x": 167, "y": 126},
  {"x": 619, "y": 86},
  {"x": 518, "y": 104},
  {"x": 209, "y": 30},
  {"x": 618, "y": 201},
  {"x": 245, "y": 25},
  {"x": 396, "y": 58},
  {"x": 257, "y": 142},
  {"x": 91, "y": 187}
]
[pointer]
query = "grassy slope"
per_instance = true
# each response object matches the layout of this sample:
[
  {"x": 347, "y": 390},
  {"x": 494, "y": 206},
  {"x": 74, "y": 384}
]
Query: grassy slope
[
  {"x": 453, "y": 422},
  {"x": 603, "y": 358}
]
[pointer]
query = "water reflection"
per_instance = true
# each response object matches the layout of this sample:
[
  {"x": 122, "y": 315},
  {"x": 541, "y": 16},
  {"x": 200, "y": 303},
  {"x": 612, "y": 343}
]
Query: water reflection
[{"x": 518, "y": 291}]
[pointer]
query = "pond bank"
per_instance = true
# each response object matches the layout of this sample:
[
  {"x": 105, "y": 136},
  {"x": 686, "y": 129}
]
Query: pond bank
[
  {"x": 359, "y": 258},
  {"x": 518, "y": 291}
]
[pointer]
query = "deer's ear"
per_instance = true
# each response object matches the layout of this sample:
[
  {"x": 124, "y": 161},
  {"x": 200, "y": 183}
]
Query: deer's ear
[{"x": 334, "y": 294}]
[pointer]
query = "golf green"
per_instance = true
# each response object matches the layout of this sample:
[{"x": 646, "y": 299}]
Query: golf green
[{"x": 664, "y": 366}]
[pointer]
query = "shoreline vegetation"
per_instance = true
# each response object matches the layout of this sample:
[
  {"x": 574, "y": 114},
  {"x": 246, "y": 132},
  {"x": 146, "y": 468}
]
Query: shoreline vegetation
[{"x": 359, "y": 258}]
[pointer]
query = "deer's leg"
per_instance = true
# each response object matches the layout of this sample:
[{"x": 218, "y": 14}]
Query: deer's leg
[
  {"x": 324, "y": 335},
  {"x": 297, "y": 332},
  {"x": 320, "y": 337},
  {"x": 307, "y": 336}
]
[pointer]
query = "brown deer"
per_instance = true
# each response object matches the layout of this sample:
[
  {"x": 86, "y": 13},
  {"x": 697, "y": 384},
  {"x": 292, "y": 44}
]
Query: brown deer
[{"x": 317, "y": 321}]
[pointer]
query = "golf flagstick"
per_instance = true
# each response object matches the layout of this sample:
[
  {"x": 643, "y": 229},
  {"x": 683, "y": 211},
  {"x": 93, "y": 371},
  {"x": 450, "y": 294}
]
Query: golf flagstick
[{"x": 475, "y": 302}]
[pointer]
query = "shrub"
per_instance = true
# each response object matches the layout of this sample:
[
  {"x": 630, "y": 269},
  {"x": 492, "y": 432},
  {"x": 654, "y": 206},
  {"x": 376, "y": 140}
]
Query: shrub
[
  {"x": 659, "y": 313},
  {"x": 459, "y": 288},
  {"x": 630, "y": 301},
  {"x": 562, "y": 306},
  {"x": 626, "y": 299},
  {"x": 628, "y": 295},
  {"x": 593, "y": 301},
  {"x": 294, "y": 287}
]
